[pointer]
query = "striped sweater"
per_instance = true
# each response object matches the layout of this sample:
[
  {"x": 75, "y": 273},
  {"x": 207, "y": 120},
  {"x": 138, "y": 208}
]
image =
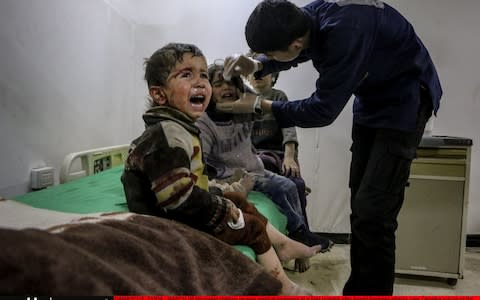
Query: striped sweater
[{"x": 164, "y": 172}]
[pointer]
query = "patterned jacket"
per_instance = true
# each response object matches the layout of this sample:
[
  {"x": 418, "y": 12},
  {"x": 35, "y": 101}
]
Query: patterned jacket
[{"x": 164, "y": 173}]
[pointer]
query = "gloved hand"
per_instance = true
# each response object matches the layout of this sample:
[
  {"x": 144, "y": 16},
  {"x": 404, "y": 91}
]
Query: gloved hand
[
  {"x": 240, "y": 65},
  {"x": 245, "y": 105}
]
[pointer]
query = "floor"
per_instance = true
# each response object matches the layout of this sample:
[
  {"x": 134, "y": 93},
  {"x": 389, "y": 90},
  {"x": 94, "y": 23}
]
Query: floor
[{"x": 329, "y": 271}]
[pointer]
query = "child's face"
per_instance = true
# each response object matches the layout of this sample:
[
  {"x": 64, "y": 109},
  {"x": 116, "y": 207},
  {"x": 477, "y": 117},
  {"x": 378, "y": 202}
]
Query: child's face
[
  {"x": 261, "y": 84},
  {"x": 187, "y": 88},
  {"x": 223, "y": 91}
]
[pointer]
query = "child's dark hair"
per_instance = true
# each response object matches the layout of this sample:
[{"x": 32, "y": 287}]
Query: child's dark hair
[
  {"x": 218, "y": 67},
  {"x": 236, "y": 80},
  {"x": 274, "y": 25},
  {"x": 162, "y": 61}
]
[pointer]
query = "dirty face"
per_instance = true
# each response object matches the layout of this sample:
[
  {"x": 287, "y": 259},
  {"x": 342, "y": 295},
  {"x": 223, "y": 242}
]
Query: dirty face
[
  {"x": 222, "y": 90},
  {"x": 187, "y": 88}
]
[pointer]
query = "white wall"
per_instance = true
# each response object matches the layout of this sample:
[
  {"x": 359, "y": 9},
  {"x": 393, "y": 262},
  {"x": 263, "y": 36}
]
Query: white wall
[
  {"x": 450, "y": 30},
  {"x": 65, "y": 83},
  {"x": 71, "y": 78}
]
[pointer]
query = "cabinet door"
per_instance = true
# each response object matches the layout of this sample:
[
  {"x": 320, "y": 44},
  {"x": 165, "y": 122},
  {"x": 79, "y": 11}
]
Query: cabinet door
[{"x": 429, "y": 226}]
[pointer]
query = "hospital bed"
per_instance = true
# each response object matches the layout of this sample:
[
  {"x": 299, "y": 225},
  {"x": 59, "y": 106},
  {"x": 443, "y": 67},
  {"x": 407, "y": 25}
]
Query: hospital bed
[{"x": 91, "y": 195}]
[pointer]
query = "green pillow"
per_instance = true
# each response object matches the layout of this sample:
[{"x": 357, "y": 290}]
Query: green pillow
[{"x": 103, "y": 192}]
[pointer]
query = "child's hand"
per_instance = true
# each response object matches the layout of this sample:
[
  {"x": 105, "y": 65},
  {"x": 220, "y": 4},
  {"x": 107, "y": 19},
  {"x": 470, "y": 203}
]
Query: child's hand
[
  {"x": 235, "y": 218},
  {"x": 234, "y": 214},
  {"x": 290, "y": 167},
  {"x": 247, "y": 181},
  {"x": 240, "y": 65},
  {"x": 243, "y": 204}
]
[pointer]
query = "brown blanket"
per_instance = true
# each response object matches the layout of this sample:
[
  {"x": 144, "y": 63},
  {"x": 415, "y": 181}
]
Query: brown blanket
[{"x": 141, "y": 255}]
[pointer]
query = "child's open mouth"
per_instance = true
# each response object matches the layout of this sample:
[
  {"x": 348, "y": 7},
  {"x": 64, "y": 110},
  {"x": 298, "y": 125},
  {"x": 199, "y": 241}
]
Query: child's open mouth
[
  {"x": 228, "y": 96},
  {"x": 198, "y": 99},
  {"x": 197, "y": 102}
]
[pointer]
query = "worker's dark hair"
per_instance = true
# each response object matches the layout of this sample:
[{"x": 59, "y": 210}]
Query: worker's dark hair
[{"x": 274, "y": 25}]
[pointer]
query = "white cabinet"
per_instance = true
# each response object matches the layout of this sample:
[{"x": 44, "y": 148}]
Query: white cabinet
[{"x": 431, "y": 234}]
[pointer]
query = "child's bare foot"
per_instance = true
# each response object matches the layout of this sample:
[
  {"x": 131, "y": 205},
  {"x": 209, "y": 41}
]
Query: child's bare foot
[
  {"x": 292, "y": 249},
  {"x": 299, "y": 265},
  {"x": 302, "y": 265}
]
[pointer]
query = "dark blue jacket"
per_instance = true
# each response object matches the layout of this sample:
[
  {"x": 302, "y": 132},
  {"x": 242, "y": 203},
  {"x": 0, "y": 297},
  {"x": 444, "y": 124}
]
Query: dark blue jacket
[{"x": 368, "y": 50}]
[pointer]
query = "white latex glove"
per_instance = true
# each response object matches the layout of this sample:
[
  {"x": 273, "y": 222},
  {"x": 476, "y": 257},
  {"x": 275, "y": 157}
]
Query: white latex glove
[
  {"x": 240, "y": 65},
  {"x": 244, "y": 105}
]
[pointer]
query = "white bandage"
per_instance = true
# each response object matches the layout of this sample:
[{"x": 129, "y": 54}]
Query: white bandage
[{"x": 240, "y": 222}]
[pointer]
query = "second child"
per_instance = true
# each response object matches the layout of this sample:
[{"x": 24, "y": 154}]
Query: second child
[{"x": 227, "y": 147}]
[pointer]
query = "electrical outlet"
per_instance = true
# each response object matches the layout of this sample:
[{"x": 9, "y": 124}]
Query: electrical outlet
[{"x": 42, "y": 177}]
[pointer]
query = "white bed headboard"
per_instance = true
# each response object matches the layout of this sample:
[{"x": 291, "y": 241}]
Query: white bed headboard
[{"x": 92, "y": 161}]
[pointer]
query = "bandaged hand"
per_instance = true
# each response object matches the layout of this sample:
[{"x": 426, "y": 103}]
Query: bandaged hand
[
  {"x": 234, "y": 214},
  {"x": 290, "y": 167},
  {"x": 235, "y": 219},
  {"x": 246, "y": 104},
  {"x": 240, "y": 65},
  {"x": 244, "y": 205}
]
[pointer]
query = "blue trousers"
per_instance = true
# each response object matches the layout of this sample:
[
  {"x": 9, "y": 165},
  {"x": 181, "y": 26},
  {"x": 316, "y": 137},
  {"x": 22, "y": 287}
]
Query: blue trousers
[
  {"x": 283, "y": 193},
  {"x": 272, "y": 160}
]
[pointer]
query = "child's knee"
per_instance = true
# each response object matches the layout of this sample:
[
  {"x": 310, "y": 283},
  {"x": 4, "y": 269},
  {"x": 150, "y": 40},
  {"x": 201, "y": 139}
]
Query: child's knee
[
  {"x": 257, "y": 234},
  {"x": 289, "y": 186}
]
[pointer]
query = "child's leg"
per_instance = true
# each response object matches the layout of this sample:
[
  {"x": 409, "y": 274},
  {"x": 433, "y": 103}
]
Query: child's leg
[
  {"x": 255, "y": 235},
  {"x": 269, "y": 260},
  {"x": 287, "y": 248},
  {"x": 283, "y": 193},
  {"x": 300, "y": 184}
]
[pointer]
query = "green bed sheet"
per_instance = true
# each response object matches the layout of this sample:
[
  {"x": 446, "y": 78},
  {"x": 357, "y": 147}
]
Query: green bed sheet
[{"x": 103, "y": 192}]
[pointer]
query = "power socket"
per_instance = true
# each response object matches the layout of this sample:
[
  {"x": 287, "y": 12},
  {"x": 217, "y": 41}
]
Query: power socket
[{"x": 42, "y": 177}]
